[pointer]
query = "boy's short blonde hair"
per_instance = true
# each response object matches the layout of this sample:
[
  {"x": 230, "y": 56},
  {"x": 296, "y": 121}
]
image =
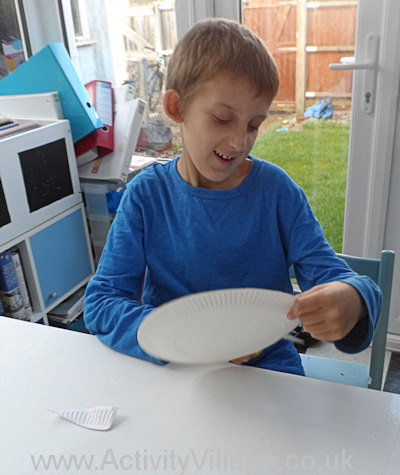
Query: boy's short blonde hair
[{"x": 218, "y": 46}]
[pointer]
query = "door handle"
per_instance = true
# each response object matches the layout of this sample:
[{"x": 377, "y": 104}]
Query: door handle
[
  {"x": 348, "y": 63},
  {"x": 370, "y": 70}
]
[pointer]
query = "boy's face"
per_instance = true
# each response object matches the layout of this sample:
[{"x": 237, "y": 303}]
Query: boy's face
[{"x": 219, "y": 127}]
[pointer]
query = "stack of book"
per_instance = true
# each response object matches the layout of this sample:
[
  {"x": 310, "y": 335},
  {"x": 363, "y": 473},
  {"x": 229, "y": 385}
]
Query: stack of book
[
  {"x": 14, "y": 296},
  {"x": 68, "y": 311}
]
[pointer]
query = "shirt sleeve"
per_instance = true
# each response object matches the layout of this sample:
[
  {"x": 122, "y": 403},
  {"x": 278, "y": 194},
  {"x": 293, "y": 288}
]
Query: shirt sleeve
[
  {"x": 315, "y": 263},
  {"x": 112, "y": 307}
]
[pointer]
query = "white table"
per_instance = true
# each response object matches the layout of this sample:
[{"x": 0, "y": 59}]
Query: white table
[{"x": 219, "y": 419}]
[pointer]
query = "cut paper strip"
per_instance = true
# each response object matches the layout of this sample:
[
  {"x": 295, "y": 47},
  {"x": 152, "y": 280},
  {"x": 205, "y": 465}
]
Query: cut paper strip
[{"x": 97, "y": 417}]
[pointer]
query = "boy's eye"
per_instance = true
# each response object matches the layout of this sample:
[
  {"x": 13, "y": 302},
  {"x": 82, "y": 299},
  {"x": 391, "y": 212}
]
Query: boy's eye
[
  {"x": 226, "y": 121},
  {"x": 220, "y": 120}
]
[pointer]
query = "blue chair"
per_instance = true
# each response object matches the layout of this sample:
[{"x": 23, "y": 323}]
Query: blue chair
[{"x": 345, "y": 372}]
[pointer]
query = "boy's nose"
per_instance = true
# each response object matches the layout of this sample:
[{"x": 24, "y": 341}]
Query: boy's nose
[{"x": 238, "y": 139}]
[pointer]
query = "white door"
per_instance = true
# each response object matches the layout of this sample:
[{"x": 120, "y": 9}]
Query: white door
[{"x": 372, "y": 213}]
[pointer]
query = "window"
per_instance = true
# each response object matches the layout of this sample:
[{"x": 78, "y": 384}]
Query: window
[
  {"x": 12, "y": 42},
  {"x": 128, "y": 40},
  {"x": 310, "y": 117},
  {"x": 112, "y": 43}
]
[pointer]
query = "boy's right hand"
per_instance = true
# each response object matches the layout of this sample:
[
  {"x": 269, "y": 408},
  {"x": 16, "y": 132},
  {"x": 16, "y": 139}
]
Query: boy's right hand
[{"x": 245, "y": 359}]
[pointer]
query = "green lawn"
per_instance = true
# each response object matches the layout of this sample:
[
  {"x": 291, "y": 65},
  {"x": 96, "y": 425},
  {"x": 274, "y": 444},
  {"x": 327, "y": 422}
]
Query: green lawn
[{"x": 315, "y": 156}]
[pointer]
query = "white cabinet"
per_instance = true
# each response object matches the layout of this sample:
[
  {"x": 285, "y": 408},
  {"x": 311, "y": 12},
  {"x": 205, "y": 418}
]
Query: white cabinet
[{"x": 42, "y": 214}]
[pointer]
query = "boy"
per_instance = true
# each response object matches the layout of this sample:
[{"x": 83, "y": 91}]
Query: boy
[{"x": 217, "y": 218}]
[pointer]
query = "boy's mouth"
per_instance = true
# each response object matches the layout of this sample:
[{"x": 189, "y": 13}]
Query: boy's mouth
[{"x": 222, "y": 156}]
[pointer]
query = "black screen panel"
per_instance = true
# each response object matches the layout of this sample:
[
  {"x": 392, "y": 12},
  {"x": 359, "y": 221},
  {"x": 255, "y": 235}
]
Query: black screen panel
[
  {"x": 46, "y": 174},
  {"x": 4, "y": 214}
]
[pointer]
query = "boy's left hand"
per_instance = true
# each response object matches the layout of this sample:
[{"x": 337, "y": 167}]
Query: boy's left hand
[{"x": 329, "y": 311}]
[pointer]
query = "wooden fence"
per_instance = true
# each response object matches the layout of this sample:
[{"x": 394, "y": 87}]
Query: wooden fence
[
  {"x": 303, "y": 36},
  {"x": 154, "y": 25}
]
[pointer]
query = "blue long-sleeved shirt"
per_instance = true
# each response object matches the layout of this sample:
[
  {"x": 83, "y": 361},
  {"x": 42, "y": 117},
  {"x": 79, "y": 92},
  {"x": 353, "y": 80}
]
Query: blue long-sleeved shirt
[{"x": 170, "y": 239}]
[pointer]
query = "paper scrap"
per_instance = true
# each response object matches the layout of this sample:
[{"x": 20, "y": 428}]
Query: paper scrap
[{"x": 97, "y": 417}]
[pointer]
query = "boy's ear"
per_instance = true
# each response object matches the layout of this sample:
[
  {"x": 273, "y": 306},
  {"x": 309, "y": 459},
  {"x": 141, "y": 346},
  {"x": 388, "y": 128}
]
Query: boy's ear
[{"x": 171, "y": 103}]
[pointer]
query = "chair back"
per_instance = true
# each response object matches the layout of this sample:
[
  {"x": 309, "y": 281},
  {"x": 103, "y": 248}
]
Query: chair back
[{"x": 381, "y": 272}]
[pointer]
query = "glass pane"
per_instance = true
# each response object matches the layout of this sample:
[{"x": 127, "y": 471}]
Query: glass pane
[
  {"x": 149, "y": 39},
  {"x": 307, "y": 131},
  {"x": 11, "y": 46},
  {"x": 130, "y": 41}
]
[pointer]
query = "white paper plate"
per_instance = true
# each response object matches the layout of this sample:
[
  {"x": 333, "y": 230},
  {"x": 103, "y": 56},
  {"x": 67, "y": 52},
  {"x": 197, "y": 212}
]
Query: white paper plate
[{"x": 216, "y": 326}]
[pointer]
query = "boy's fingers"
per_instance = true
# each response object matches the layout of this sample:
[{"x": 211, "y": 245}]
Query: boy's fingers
[
  {"x": 328, "y": 311},
  {"x": 307, "y": 303},
  {"x": 245, "y": 359}
]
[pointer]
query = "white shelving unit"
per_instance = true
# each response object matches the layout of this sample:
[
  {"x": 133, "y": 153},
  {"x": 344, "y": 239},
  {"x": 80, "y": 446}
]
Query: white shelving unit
[{"x": 42, "y": 213}]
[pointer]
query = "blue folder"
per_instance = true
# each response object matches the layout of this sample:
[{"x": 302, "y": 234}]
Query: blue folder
[{"x": 52, "y": 70}]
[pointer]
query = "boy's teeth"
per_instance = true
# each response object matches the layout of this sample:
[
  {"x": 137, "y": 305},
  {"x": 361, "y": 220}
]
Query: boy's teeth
[{"x": 225, "y": 157}]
